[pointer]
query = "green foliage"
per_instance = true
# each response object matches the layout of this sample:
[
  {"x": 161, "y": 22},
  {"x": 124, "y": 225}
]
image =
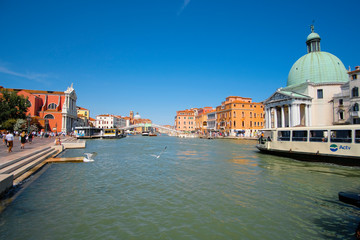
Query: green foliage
[
  {"x": 12, "y": 106},
  {"x": 20, "y": 125},
  {"x": 34, "y": 128},
  {"x": 8, "y": 124}
]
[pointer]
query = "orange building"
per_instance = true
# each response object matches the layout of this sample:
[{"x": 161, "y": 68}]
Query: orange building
[
  {"x": 201, "y": 119},
  {"x": 185, "y": 120},
  {"x": 239, "y": 115},
  {"x": 56, "y": 111}
]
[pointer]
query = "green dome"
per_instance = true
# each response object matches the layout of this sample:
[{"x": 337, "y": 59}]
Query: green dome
[{"x": 317, "y": 67}]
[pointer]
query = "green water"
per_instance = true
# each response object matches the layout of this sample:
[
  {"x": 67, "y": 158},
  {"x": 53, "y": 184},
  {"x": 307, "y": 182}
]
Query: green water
[{"x": 197, "y": 189}]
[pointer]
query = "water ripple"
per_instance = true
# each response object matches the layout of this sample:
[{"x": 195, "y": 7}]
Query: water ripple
[{"x": 197, "y": 189}]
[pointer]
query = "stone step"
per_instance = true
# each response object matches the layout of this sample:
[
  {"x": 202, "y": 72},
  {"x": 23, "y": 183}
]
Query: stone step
[
  {"x": 24, "y": 161},
  {"x": 23, "y": 169},
  {"x": 8, "y": 163}
]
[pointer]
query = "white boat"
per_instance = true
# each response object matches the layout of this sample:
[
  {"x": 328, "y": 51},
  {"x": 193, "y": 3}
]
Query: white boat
[{"x": 334, "y": 144}]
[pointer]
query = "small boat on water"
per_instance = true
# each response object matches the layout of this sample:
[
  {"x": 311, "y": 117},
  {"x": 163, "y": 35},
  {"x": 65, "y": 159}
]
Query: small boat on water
[
  {"x": 145, "y": 133},
  {"x": 333, "y": 144},
  {"x": 152, "y": 135},
  {"x": 350, "y": 198}
]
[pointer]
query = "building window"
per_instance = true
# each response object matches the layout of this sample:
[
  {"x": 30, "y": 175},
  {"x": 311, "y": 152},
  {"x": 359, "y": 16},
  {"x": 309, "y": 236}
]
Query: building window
[
  {"x": 354, "y": 77},
  {"x": 49, "y": 116},
  {"x": 341, "y": 115},
  {"x": 52, "y": 106},
  {"x": 250, "y": 123},
  {"x": 251, "y": 115},
  {"x": 243, "y": 114},
  {"x": 356, "y": 107},
  {"x": 254, "y": 115},
  {"x": 320, "y": 94},
  {"x": 243, "y": 123},
  {"x": 355, "y": 92},
  {"x": 341, "y": 102}
]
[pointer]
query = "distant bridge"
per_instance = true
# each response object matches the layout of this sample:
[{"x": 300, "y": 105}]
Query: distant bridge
[{"x": 165, "y": 129}]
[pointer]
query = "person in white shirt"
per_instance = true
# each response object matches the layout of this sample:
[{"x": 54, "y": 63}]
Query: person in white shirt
[{"x": 10, "y": 140}]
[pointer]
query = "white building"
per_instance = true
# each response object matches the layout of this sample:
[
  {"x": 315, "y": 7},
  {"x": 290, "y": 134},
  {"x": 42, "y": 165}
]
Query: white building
[
  {"x": 346, "y": 104},
  {"x": 312, "y": 82},
  {"x": 69, "y": 111},
  {"x": 110, "y": 121},
  {"x": 211, "y": 121}
]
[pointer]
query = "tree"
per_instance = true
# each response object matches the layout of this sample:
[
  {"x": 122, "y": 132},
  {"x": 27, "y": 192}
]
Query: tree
[
  {"x": 8, "y": 124},
  {"x": 20, "y": 125},
  {"x": 12, "y": 106}
]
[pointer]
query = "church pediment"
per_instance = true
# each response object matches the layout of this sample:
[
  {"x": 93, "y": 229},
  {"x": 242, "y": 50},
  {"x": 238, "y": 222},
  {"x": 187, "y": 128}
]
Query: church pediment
[
  {"x": 285, "y": 96},
  {"x": 277, "y": 96}
]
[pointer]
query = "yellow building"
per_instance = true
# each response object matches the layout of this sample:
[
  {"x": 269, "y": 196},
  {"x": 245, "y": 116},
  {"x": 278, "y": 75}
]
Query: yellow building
[
  {"x": 201, "y": 119},
  {"x": 83, "y": 114}
]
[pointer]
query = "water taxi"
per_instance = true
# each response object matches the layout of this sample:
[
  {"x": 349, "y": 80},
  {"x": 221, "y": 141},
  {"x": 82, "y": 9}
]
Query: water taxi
[
  {"x": 92, "y": 132},
  {"x": 113, "y": 133},
  {"x": 333, "y": 144}
]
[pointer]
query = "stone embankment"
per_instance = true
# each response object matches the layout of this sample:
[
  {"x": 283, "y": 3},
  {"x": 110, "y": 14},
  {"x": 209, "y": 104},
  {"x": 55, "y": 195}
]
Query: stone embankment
[{"x": 22, "y": 163}]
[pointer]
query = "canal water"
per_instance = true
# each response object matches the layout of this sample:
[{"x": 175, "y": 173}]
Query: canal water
[{"x": 196, "y": 189}]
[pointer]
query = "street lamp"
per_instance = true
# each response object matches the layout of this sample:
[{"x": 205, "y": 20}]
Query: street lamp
[{"x": 28, "y": 121}]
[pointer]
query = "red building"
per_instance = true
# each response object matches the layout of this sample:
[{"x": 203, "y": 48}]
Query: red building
[{"x": 55, "y": 111}]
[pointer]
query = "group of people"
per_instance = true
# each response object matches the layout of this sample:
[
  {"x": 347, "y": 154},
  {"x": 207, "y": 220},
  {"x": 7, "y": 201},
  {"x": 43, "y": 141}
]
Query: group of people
[{"x": 8, "y": 139}]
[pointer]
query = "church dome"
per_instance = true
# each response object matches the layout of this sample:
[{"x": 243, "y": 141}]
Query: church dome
[
  {"x": 137, "y": 116},
  {"x": 317, "y": 66},
  {"x": 312, "y": 36}
]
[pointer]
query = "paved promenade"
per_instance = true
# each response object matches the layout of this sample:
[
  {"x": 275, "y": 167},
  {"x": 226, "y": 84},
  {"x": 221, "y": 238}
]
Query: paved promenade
[{"x": 37, "y": 144}]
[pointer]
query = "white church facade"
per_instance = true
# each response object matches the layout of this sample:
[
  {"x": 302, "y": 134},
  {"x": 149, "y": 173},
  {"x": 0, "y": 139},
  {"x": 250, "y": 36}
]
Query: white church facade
[{"x": 312, "y": 83}]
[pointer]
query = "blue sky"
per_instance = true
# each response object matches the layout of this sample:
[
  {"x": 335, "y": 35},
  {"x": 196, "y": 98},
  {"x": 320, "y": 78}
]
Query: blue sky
[{"x": 156, "y": 57}]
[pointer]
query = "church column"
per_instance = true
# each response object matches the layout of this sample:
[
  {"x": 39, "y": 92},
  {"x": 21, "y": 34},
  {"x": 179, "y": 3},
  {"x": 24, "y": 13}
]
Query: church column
[
  {"x": 309, "y": 114},
  {"x": 275, "y": 118},
  {"x": 290, "y": 115},
  {"x": 306, "y": 115},
  {"x": 63, "y": 124},
  {"x": 296, "y": 114},
  {"x": 266, "y": 118},
  {"x": 268, "y": 114},
  {"x": 282, "y": 116}
]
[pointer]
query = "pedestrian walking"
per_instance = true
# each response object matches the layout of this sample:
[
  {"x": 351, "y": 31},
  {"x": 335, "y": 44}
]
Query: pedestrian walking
[
  {"x": 10, "y": 141},
  {"x": 30, "y": 137},
  {"x": 4, "y": 138},
  {"x": 22, "y": 140}
]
